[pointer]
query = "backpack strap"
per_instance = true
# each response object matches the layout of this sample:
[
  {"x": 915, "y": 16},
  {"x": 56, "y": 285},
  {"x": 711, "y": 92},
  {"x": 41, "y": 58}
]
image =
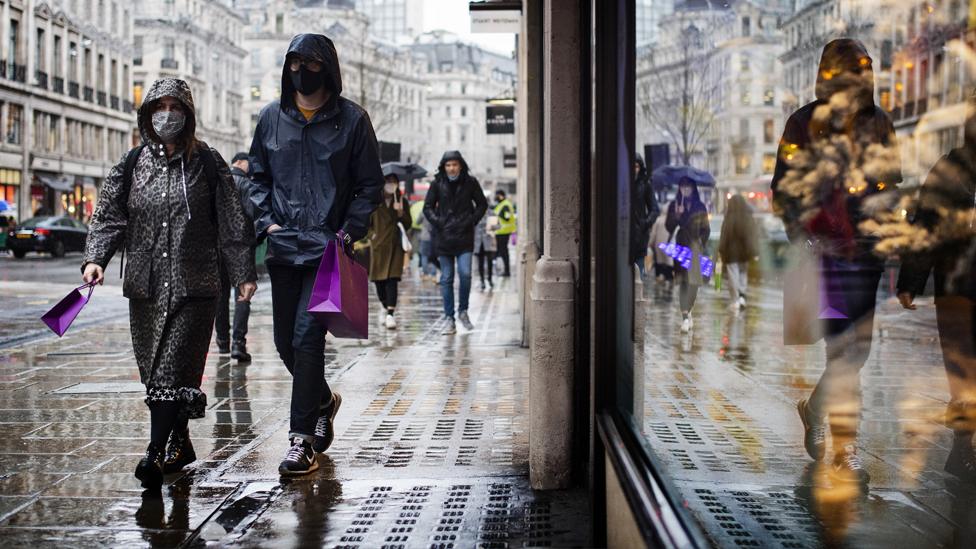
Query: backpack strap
[{"x": 130, "y": 165}]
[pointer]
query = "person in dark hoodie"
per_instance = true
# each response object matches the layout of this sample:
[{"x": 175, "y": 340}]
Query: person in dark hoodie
[
  {"x": 315, "y": 177},
  {"x": 242, "y": 309},
  {"x": 644, "y": 212},
  {"x": 822, "y": 209},
  {"x": 172, "y": 205},
  {"x": 454, "y": 205},
  {"x": 687, "y": 225},
  {"x": 947, "y": 211}
]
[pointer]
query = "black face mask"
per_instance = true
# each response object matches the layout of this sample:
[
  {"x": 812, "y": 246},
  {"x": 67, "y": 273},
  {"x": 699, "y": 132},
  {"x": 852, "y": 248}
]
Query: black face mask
[{"x": 306, "y": 81}]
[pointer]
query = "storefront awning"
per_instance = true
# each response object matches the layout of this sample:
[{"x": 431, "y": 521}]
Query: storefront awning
[{"x": 58, "y": 183}]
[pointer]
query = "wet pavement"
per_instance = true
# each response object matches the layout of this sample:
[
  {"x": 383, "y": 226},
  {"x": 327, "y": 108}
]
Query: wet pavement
[
  {"x": 431, "y": 447},
  {"x": 719, "y": 411}
]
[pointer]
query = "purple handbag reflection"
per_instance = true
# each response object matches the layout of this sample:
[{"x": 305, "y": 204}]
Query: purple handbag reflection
[
  {"x": 340, "y": 296},
  {"x": 63, "y": 314}
]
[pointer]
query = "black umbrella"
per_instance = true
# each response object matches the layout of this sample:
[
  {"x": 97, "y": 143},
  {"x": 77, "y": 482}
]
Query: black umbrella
[
  {"x": 405, "y": 171},
  {"x": 666, "y": 177}
]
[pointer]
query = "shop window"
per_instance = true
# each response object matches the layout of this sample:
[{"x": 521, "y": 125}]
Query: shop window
[{"x": 769, "y": 163}]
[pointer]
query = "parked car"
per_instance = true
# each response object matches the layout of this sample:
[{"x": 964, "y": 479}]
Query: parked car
[{"x": 56, "y": 235}]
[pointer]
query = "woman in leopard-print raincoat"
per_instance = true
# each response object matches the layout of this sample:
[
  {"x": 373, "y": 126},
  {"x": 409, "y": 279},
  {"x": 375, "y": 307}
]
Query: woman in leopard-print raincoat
[{"x": 175, "y": 224}]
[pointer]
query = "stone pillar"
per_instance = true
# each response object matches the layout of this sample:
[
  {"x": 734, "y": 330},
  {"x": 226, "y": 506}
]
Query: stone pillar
[
  {"x": 530, "y": 183},
  {"x": 640, "y": 322},
  {"x": 554, "y": 283}
]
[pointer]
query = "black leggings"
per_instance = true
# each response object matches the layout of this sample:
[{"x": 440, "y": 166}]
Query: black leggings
[
  {"x": 485, "y": 265},
  {"x": 687, "y": 292},
  {"x": 386, "y": 290}
]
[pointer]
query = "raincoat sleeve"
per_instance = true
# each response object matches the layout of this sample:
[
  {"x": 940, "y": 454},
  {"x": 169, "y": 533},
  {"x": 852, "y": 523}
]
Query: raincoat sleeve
[
  {"x": 480, "y": 205},
  {"x": 106, "y": 232},
  {"x": 405, "y": 216},
  {"x": 916, "y": 267},
  {"x": 784, "y": 206},
  {"x": 262, "y": 184},
  {"x": 233, "y": 228},
  {"x": 430, "y": 205},
  {"x": 366, "y": 178}
]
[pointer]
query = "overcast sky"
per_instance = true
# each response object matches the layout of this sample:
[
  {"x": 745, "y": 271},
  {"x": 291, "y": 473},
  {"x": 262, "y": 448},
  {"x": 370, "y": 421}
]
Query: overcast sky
[{"x": 452, "y": 15}]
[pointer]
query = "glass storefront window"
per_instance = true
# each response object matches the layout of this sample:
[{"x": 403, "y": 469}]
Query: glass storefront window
[{"x": 807, "y": 319}]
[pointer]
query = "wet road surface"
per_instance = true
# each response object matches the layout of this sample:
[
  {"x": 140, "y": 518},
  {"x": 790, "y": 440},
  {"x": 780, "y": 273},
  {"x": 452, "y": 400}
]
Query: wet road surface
[
  {"x": 431, "y": 447},
  {"x": 719, "y": 410}
]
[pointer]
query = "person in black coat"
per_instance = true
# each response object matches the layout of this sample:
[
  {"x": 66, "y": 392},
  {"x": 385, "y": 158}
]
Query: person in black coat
[
  {"x": 242, "y": 309},
  {"x": 454, "y": 205},
  {"x": 947, "y": 211},
  {"x": 315, "y": 173},
  {"x": 822, "y": 209},
  {"x": 644, "y": 212}
]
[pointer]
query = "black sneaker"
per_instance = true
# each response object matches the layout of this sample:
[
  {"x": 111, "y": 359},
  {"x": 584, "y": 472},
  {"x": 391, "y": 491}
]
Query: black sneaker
[
  {"x": 847, "y": 466},
  {"x": 179, "y": 452},
  {"x": 325, "y": 427},
  {"x": 299, "y": 460},
  {"x": 450, "y": 328},
  {"x": 239, "y": 352},
  {"x": 962, "y": 461},
  {"x": 465, "y": 321},
  {"x": 814, "y": 435},
  {"x": 150, "y": 468},
  {"x": 223, "y": 347}
]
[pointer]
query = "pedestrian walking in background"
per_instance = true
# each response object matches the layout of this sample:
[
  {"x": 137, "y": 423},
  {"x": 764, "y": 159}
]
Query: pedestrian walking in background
[
  {"x": 946, "y": 210},
  {"x": 485, "y": 246},
  {"x": 687, "y": 225},
  {"x": 842, "y": 128},
  {"x": 505, "y": 212},
  {"x": 242, "y": 309},
  {"x": 738, "y": 245},
  {"x": 454, "y": 205},
  {"x": 644, "y": 212},
  {"x": 173, "y": 208},
  {"x": 315, "y": 171},
  {"x": 663, "y": 263},
  {"x": 385, "y": 241}
]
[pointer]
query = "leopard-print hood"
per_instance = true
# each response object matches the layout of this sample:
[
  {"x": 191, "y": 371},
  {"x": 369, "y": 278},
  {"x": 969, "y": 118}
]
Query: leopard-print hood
[{"x": 172, "y": 87}]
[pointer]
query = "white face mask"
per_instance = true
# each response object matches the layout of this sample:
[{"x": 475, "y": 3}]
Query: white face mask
[
  {"x": 390, "y": 188},
  {"x": 168, "y": 124}
]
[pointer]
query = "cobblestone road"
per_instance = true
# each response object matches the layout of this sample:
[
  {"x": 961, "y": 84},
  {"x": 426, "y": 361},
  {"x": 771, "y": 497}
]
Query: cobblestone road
[{"x": 431, "y": 448}]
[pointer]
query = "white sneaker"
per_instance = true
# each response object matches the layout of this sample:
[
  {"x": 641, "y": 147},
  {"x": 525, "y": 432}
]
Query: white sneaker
[
  {"x": 686, "y": 325},
  {"x": 391, "y": 322},
  {"x": 742, "y": 301}
]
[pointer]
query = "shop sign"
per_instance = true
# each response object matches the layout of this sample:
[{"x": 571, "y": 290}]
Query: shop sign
[
  {"x": 496, "y": 21},
  {"x": 501, "y": 119}
]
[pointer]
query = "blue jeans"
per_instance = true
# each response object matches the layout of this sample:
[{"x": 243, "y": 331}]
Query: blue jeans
[{"x": 447, "y": 281}]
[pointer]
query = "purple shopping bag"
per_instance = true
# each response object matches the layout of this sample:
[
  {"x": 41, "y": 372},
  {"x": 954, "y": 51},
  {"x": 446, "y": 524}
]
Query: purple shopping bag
[
  {"x": 340, "y": 296},
  {"x": 63, "y": 314}
]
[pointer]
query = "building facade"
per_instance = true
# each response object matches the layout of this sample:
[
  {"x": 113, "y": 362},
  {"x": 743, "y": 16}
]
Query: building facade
[
  {"x": 65, "y": 107},
  {"x": 711, "y": 88},
  {"x": 462, "y": 80},
  {"x": 385, "y": 80},
  {"x": 198, "y": 41},
  {"x": 396, "y": 21}
]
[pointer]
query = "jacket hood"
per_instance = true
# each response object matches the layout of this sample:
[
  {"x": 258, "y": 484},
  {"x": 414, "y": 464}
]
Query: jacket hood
[
  {"x": 452, "y": 155},
  {"x": 319, "y": 48},
  {"x": 166, "y": 87},
  {"x": 845, "y": 65},
  {"x": 639, "y": 160}
]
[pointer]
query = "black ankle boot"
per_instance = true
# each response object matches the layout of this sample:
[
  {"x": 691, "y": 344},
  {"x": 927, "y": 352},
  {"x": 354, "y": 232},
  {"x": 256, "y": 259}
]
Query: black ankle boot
[
  {"x": 150, "y": 468},
  {"x": 239, "y": 352},
  {"x": 179, "y": 451}
]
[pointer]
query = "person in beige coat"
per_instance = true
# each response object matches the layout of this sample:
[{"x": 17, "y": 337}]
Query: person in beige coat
[{"x": 385, "y": 241}]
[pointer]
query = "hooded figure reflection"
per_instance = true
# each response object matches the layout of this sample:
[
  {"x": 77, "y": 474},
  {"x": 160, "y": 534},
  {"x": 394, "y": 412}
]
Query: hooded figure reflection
[
  {"x": 837, "y": 156},
  {"x": 945, "y": 221}
]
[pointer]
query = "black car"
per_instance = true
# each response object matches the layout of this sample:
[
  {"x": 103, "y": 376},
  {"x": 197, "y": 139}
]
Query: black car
[{"x": 55, "y": 235}]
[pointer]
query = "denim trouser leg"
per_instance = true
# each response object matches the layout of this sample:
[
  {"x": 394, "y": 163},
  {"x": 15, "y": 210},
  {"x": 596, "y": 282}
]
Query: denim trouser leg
[
  {"x": 300, "y": 340},
  {"x": 464, "y": 273},
  {"x": 447, "y": 283}
]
